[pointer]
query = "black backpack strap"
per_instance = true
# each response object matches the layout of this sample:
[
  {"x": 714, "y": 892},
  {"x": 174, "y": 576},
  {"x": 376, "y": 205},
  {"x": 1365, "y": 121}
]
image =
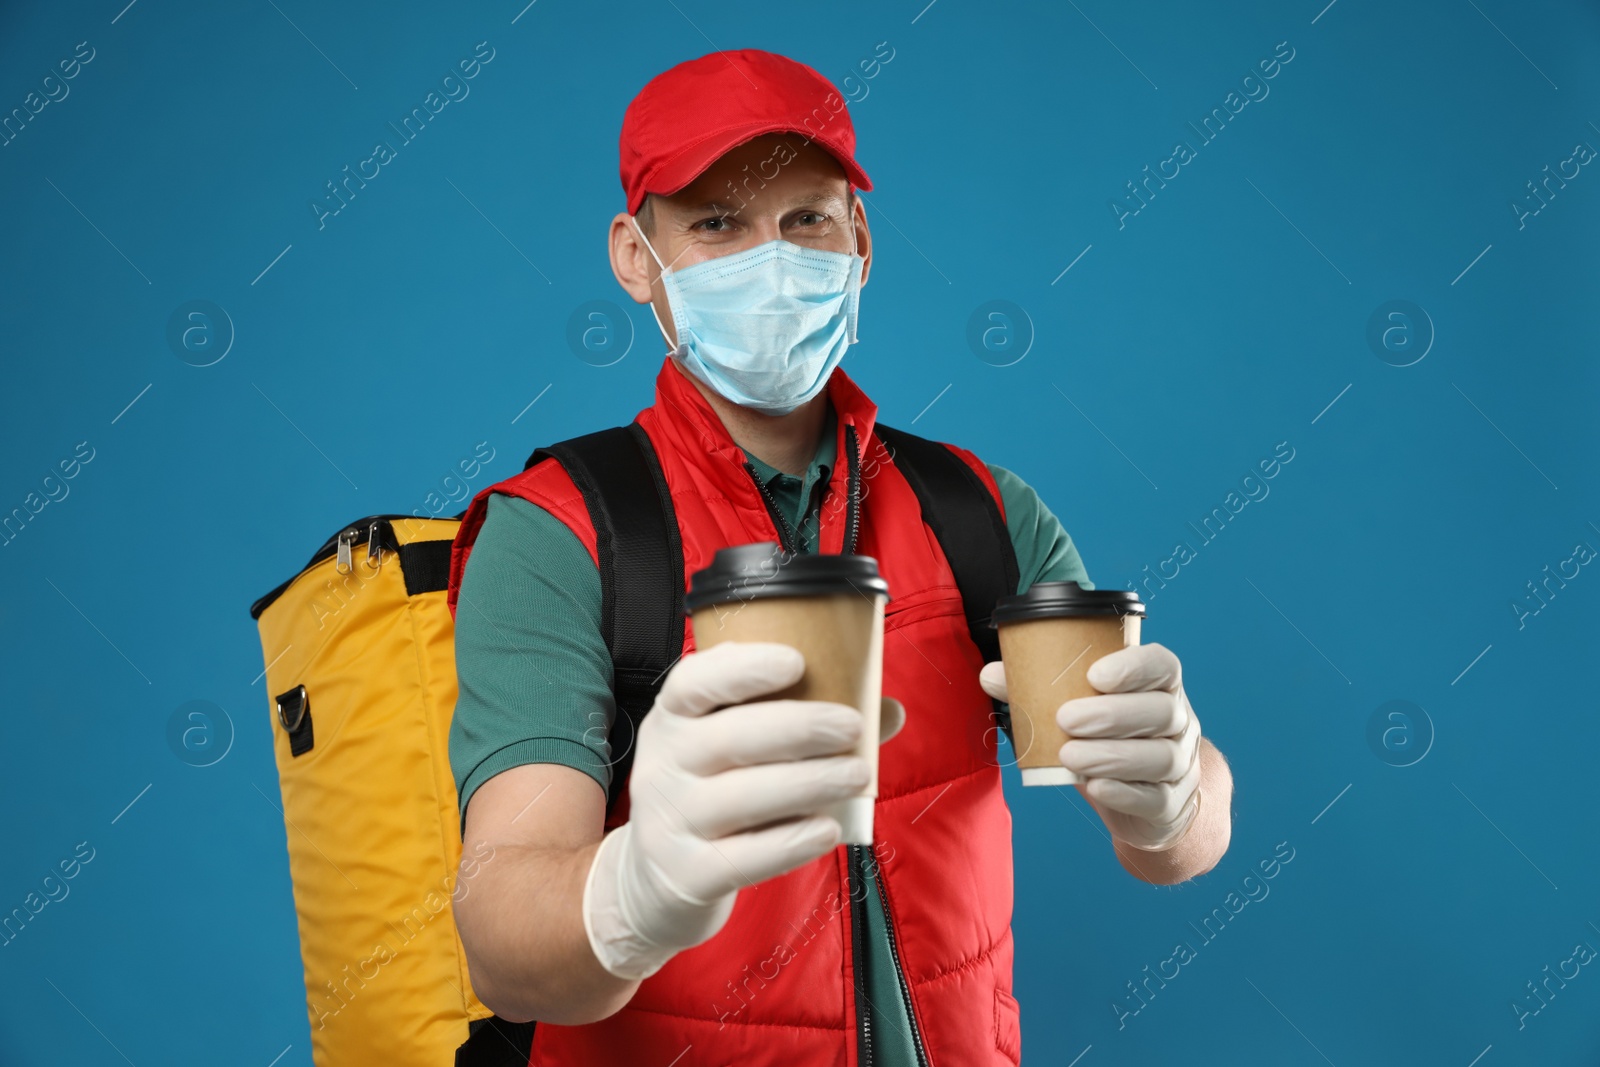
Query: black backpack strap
[
  {"x": 964, "y": 516},
  {"x": 641, "y": 570},
  {"x": 493, "y": 1042},
  {"x": 641, "y": 618}
]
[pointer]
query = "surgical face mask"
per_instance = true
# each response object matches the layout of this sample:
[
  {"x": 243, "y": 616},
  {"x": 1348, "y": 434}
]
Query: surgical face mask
[{"x": 764, "y": 327}]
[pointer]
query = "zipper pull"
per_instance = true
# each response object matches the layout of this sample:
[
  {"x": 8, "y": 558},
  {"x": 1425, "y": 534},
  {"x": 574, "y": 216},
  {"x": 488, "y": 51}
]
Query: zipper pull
[
  {"x": 374, "y": 547},
  {"x": 346, "y": 539}
]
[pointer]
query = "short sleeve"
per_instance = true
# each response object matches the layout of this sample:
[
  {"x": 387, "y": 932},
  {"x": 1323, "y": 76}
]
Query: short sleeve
[
  {"x": 535, "y": 675},
  {"x": 1045, "y": 552}
]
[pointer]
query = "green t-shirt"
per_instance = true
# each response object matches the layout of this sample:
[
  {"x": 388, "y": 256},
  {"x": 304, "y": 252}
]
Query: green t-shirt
[{"x": 535, "y": 676}]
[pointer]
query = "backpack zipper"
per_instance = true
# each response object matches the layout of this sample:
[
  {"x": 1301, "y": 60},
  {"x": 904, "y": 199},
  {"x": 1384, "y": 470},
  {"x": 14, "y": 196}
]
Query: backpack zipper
[
  {"x": 357, "y": 533},
  {"x": 375, "y": 532}
]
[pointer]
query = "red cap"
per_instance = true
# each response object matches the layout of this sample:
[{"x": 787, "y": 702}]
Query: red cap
[{"x": 688, "y": 117}]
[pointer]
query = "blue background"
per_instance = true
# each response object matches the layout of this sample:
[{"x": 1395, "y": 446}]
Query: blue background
[{"x": 1230, "y": 314}]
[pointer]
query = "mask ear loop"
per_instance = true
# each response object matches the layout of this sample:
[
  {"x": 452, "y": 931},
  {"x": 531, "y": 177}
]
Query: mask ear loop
[
  {"x": 670, "y": 348},
  {"x": 855, "y": 296}
]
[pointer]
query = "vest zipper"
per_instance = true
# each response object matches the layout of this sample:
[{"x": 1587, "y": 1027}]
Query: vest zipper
[
  {"x": 852, "y": 520},
  {"x": 858, "y": 923},
  {"x": 854, "y": 855},
  {"x": 786, "y": 535},
  {"x": 899, "y": 972}
]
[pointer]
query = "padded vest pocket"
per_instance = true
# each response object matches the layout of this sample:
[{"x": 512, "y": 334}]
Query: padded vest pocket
[{"x": 1007, "y": 1025}]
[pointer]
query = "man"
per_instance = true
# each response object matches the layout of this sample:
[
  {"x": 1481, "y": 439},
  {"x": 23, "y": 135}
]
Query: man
[{"x": 710, "y": 922}]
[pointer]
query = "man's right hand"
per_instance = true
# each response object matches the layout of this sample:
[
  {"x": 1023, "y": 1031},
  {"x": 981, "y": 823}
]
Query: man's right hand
[{"x": 718, "y": 801}]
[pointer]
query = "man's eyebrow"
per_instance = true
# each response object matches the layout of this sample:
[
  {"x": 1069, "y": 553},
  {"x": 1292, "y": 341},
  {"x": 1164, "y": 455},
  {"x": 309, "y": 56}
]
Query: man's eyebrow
[{"x": 815, "y": 198}]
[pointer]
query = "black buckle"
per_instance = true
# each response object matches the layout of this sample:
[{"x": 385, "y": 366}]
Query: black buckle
[
  {"x": 293, "y": 703},
  {"x": 294, "y": 712}
]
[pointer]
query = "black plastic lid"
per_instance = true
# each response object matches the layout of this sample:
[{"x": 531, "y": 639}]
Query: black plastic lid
[
  {"x": 1053, "y": 600},
  {"x": 759, "y": 570}
]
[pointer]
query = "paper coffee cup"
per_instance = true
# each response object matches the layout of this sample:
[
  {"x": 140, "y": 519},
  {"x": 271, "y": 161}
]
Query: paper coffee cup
[
  {"x": 828, "y": 606},
  {"x": 1049, "y": 636}
]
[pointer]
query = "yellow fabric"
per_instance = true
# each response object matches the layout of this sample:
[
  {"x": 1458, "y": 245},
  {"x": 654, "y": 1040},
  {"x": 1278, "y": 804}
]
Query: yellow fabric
[{"x": 370, "y": 811}]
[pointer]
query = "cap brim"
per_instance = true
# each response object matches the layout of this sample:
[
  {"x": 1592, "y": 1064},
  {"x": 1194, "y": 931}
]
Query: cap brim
[{"x": 692, "y": 161}]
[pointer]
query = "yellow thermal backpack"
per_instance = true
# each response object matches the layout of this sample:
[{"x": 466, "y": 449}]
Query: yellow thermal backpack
[
  {"x": 360, "y": 671},
  {"x": 360, "y": 657}
]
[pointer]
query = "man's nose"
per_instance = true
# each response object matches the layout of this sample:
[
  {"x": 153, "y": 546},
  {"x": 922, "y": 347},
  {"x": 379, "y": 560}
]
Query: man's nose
[{"x": 763, "y": 230}]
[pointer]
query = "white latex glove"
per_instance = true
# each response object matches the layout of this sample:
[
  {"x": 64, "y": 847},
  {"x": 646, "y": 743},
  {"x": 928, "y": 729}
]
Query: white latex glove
[
  {"x": 719, "y": 800},
  {"x": 1135, "y": 748}
]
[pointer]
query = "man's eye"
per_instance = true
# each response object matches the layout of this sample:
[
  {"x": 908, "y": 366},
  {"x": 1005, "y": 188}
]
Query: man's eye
[{"x": 716, "y": 224}]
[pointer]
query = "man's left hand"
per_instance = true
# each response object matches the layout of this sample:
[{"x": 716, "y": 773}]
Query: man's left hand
[{"x": 1135, "y": 747}]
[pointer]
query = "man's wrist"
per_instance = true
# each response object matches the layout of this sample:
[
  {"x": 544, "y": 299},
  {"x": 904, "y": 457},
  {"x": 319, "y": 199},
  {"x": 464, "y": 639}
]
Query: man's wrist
[
  {"x": 1204, "y": 843},
  {"x": 613, "y": 933},
  {"x": 1181, "y": 828}
]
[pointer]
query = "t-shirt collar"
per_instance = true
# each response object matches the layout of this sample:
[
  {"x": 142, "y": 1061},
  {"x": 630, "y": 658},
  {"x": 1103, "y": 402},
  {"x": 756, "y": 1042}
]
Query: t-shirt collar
[
  {"x": 683, "y": 419},
  {"x": 819, "y": 467}
]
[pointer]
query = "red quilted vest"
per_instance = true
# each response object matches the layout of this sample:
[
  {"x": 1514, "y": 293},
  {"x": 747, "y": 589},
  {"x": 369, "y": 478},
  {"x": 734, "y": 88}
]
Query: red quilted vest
[{"x": 777, "y": 984}]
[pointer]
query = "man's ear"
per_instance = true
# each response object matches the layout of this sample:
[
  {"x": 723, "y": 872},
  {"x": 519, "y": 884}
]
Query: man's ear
[
  {"x": 863, "y": 236},
  {"x": 630, "y": 260}
]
